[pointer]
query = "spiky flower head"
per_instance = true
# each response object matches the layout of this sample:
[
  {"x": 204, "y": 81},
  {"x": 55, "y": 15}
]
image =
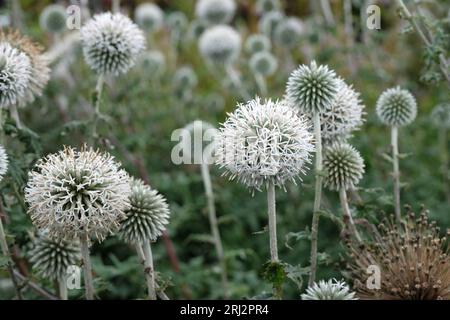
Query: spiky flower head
[
  {"x": 289, "y": 32},
  {"x": 215, "y": 11},
  {"x": 413, "y": 260},
  {"x": 263, "y": 63},
  {"x": 269, "y": 22},
  {"x": 185, "y": 78},
  {"x": 147, "y": 217},
  {"x": 153, "y": 62},
  {"x": 149, "y": 17},
  {"x": 111, "y": 43},
  {"x": 3, "y": 162},
  {"x": 440, "y": 116},
  {"x": 51, "y": 258},
  {"x": 220, "y": 44},
  {"x": 343, "y": 166},
  {"x": 312, "y": 88},
  {"x": 264, "y": 142},
  {"x": 75, "y": 193},
  {"x": 396, "y": 107},
  {"x": 264, "y": 6},
  {"x": 257, "y": 43},
  {"x": 53, "y": 18},
  {"x": 329, "y": 290}
]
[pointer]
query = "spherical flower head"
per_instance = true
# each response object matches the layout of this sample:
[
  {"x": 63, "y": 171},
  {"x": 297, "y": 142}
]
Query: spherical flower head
[
  {"x": 263, "y": 63},
  {"x": 3, "y": 162},
  {"x": 153, "y": 62},
  {"x": 77, "y": 193},
  {"x": 53, "y": 18},
  {"x": 396, "y": 107},
  {"x": 111, "y": 43},
  {"x": 329, "y": 290},
  {"x": 343, "y": 166},
  {"x": 15, "y": 73},
  {"x": 147, "y": 217},
  {"x": 269, "y": 22},
  {"x": 440, "y": 116},
  {"x": 149, "y": 17},
  {"x": 312, "y": 88},
  {"x": 257, "y": 43},
  {"x": 51, "y": 258},
  {"x": 220, "y": 44},
  {"x": 185, "y": 78},
  {"x": 177, "y": 20},
  {"x": 215, "y": 11},
  {"x": 264, "y": 6},
  {"x": 288, "y": 32},
  {"x": 264, "y": 142}
]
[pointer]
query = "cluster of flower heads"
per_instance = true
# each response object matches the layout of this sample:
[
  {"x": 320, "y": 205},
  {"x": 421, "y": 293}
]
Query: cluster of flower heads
[
  {"x": 220, "y": 44},
  {"x": 264, "y": 142},
  {"x": 74, "y": 193},
  {"x": 396, "y": 107},
  {"x": 215, "y": 11},
  {"x": 149, "y": 17},
  {"x": 111, "y": 43},
  {"x": 329, "y": 290}
]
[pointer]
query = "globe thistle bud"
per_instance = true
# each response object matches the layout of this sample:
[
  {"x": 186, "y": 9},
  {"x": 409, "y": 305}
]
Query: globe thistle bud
[
  {"x": 177, "y": 20},
  {"x": 257, "y": 43},
  {"x": 15, "y": 74},
  {"x": 312, "y": 88},
  {"x": 111, "y": 43},
  {"x": 147, "y": 217},
  {"x": 53, "y": 18},
  {"x": 269, "y": 22},
  {"x": 440, "y": 116},
  {"x": 288, "y": 32},
  {"x": 51, "y": 258},
  {"x": 264, "y": 142},
  {"x": 3, "y": 162},
  {"x": 396, "y": 107},
  {"x": 329, "y": 290},
  {"x": 185, "y": 78},
  {"x": 265, "y": 6},
  {"x": 153, "y": 62},
  {"x": 263, "y": 63},
  {"x": 220, "y": 44},
  {"x": 72, "y": 193},
  {"x": 215, "y": 11},
  {"x": 343, "y": 165},
  {"x": 149, "y": 17}
]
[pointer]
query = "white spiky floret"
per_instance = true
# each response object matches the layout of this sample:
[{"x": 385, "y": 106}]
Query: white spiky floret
[
  {"x": 3, "y": 162},
  {"x": 289, "y": 32},
  {"x": 264, "y": 142},
  {"x": 15, "y": 75},
  {"x": 263, "y": 63},
  {"x": 329, "y": 290},
  {"x": 215, "y": 11},
  {"x": 75, "y": 193},
  {"x": 440, "y": 116},
  {"x": 257, "y": 43},
  {"x": 111, "y": 43},
  {"x": 220, "y": 44},
  {"x": 149, "y": 17},
  {"x": 396, "y": 107},
  {"x": 53, "y": 18},
  {"x": 269, "y": 22}
]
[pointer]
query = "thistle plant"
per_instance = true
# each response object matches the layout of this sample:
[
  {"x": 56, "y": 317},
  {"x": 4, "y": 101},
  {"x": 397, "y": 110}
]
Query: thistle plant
[
  {"x": 313, "y": 90},
  {"x": 178, "y": 24},
  {"x": 396, "y": 108},
  {"x": 264, "y": 144},
  {"x": 78, "y": 195},
  {"x": 149, "y": 17},
  {"x": 215, "y": 11},
  {"x": 344, "y": 168},
  {"x": 145, "y": 221},
  {"x": 269, "y": 22},
  {"x": 257, "y": 43},
  {"x": 263, "y": 64},
  {"x": 53, "y": 19},
  {"x": 329, "y": 290},
  {"x": 289, "y": 32}
]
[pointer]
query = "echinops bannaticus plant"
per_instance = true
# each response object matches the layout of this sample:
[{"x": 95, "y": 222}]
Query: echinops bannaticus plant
[
  {"x": 269, "y": 21},
  {"x": 215, "y": 11},
  {"x": 149, "y": 17},
  {"x": 329, "y": 290},
  {"x": 289, "y": 32},
  {"x": 53, "y": 19},
  {"x": 263, "y": 64},
  {"x": 257, "y": 43}
]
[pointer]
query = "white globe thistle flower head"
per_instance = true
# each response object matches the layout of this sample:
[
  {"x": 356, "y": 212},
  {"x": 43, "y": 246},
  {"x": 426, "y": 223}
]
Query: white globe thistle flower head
[
  {"x": 149, "y": 17},
  {"x": 312, "y": 88},
  {"x": 15, "y": 75},
  {"x": 185, "y": 78},
  {"x": 3, "y": 162},
  {"x": 53, "y": 19},
  {"x": 396, "y": 107},
  {"x": 215, "y": 11},
  {"x": 329, "y": 290},
  {"x": 200, "y": 138},
  {"x": 77, "y": 193},
  {"x": 111, "y": 43},
  {"x": 147, "y": 217},
  {"x": 263, "y": 63},
  {"x": 153, "y": 62},
  {"x": 257, "y": 43},
  {"x": 264, "y": 142},
  {"x": 440, "y": 116},
  {"x": 220, "y": 45},
  {"x": 269, "y": 22},
  {"x": 289, "y": 32},
  {"x": 264, "y": 6},
  {"x": 177, "y": 20},
  {"x": 343, "y": 166}
]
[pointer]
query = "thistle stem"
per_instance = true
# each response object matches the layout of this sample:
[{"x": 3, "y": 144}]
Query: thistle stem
[
  {"x": 87, "y": 267},
  {"x": 62, "y": 283},
  {"x": 149, "y": 270},
  {"x": 271, "y": 206},
  {"x": 261, "y": 82},
  {"x": 444, "y": 161},
  {"x": 234, "y": 77},
  {"x": 327, "y": 13},
  {"x": 215, "y": 226},
  {"x": 396, "y": 173},
  {"x": 7, "y": 254},
  {"x": 347, "y": 216},
  {"x": 97, "y": 114},
  {"x": 317, "y": 198}
]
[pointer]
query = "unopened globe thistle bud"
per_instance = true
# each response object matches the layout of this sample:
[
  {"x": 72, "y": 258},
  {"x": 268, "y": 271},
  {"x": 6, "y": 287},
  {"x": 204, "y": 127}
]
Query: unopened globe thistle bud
[
  {"x": 149, "y": 17},
  {"x": 329, "y": 290},
  {"x": 289, "y": 32},
  {"x": 269, "y": 22},
  {"x": 312, "y": 88},
  {"x": 3, "y": 162},
  {"x": 111, "y": 43},
  {"x": 75, "y": 193},
  {"x": 440, "y": 116},
  {"x": 396, "y": 107},
  {"x": 343, "y": 166},
  {"x": 147, "y": 217},
  {"x": 257, "y": 43},
  {"x": 215, "y": 11},
  {"x": 220, "y": 44},
  {"x": 53, "y": 18},
  {"x": 264, "y": 142},
  {"x": 264, "y": 6},
  {"x": 153, "y": 62},
  {"x": 185, "y": 78},
  {"x": 263, "y": 63}
]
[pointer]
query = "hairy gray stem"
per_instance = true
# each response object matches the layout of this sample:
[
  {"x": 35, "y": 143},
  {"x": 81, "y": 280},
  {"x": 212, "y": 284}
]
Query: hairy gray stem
[
  {"x": 396, "y": 172},
  {"x": 149, "y": 270},
  {"x": 62, "y": 283},
  {"x": 87, "y": 267},
  {"x": 347, "y": 216}
]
